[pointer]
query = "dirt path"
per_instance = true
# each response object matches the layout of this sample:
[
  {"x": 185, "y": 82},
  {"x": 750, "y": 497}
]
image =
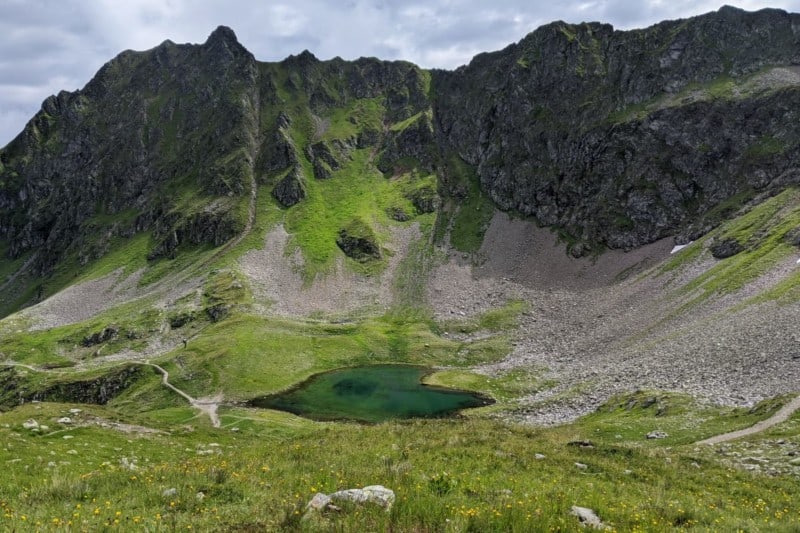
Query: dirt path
[
  {"x": 782, "y": 415},
  {"x": 207, "y": 406}
]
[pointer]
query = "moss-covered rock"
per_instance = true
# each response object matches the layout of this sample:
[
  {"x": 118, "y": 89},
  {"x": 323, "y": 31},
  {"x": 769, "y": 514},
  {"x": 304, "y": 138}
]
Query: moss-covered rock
[{"x": 359, "y": 242}]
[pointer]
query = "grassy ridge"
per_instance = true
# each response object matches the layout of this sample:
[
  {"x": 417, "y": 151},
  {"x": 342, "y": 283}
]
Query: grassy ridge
[{"x": 761, "y": 231}]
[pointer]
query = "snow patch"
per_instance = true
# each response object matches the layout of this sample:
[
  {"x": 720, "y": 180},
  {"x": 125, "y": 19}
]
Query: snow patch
[{"x": 680, "y": 247}]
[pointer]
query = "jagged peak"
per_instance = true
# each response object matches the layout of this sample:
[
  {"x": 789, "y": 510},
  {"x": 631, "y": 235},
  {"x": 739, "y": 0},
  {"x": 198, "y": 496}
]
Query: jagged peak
[
  {"x": 222, "y": 34},
  {"x": 303, "y": 58},
  {"x": 223, "y": 43}
]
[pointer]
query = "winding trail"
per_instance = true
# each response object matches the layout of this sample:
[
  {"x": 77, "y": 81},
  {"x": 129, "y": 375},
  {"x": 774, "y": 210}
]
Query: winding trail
[
  {"x": 208, "y": 406},
  {"x": 782, "y": 415}
]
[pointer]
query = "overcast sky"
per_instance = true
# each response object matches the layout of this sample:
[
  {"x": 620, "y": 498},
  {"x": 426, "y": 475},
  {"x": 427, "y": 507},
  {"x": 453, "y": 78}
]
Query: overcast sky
[{"x": 50, "y": 45}]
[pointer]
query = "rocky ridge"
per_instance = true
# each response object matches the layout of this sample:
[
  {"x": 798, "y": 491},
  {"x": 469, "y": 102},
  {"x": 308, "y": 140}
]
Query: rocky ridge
[{"x": 618, "y": 138}]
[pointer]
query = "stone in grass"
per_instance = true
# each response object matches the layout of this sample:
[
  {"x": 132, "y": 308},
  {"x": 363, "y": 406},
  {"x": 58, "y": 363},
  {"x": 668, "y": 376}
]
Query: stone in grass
[
  {"x": 64, "y": 420},
  {"x": 30, "y": 424},
  {"x": 587, "y": 517},
  {"x": 376, "y": 494},
  {"x": 657, "y": 435},
  {"x": 168, "y": 493}
]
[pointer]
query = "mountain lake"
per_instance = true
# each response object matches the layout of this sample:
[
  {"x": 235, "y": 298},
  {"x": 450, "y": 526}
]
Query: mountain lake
[{"x": 371, "y": 394}]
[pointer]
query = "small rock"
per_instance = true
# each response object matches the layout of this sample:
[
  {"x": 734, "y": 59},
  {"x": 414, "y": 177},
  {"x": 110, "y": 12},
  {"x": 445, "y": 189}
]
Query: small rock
[
  {"x": 581, "y": 443},
  {"x": 657, "y": 435},
  {"x": 170, "y": 492},
  {"x": 64, "y": 420},
  {"x": 319, "y": 502},
  {"x": 67, "y": 437},
  {"x": 587, "y": 517},
  {"x": 581, "y": 466},
  {"x": 75, "y": 411},
  {"x": 72, "y": 452},
  {"x": 377, "y": 494},
  {"x": 200, "y": 496},
  {"x": 539, "y": 456},
  {"x": 30, "y": 424}
]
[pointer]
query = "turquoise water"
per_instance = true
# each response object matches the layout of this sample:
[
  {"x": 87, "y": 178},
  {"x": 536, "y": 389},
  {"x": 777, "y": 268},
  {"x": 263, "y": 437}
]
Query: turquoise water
[{"x": 372, "y": 393}]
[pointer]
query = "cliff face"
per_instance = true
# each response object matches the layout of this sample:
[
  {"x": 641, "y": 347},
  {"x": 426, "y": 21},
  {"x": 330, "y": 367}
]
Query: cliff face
[
  {"x": 115, "y": 154},
  {"x": 619, "y": 138},
  {"x": 626, "y": 137}
]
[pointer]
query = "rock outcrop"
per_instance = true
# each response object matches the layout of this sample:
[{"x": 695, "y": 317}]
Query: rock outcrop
[{"x": 625, "y": 137}]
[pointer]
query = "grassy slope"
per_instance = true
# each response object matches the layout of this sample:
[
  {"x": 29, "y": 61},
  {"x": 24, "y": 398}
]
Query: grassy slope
[{"x": 454, "y": 475}]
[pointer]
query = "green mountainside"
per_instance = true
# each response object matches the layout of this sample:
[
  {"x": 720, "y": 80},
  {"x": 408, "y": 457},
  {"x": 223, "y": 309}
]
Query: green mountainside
[{"x": 196, "y": 228}]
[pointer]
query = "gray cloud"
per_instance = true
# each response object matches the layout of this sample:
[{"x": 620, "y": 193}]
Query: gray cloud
[{"x": 49, "y": 45}]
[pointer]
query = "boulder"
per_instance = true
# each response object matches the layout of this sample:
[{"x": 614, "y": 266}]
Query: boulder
[
  {"x": 377, "y": 494},
  {"x": 587, "y": 517},
  {"x": 725, "y": 248}
]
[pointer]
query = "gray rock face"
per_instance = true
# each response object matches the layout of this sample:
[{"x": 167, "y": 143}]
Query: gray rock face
[
  {"x": 291, "y": 189},
  {"x": 601, "y": 132},
  {"x": 120, "y": 146},
  {"x": 98, "y": 390},
  {"x": 413, "y": 144}
]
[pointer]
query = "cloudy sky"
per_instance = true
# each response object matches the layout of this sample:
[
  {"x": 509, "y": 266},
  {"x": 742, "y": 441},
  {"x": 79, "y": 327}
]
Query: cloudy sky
[{"x": 50, "y": 45}]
